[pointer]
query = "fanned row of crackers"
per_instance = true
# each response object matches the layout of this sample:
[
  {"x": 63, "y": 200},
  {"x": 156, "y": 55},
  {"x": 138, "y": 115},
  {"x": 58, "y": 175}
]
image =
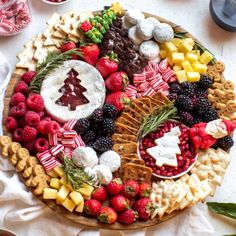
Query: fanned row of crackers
[{"x": 126, "y": 136}]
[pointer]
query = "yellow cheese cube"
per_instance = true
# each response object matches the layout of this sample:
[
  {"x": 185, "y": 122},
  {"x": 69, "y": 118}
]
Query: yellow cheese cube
[
  {"x": 176, "y": 41},
  {"x": 68, "y": 204},
  {"x": 170, "y": 47},
  {"x": 187, "y": 67},
  {"x": 177, "y": 57},
  {"x": 205, "y": 58},
  {"x": 185, "y": 47},
  {"x": 163, "y": 53},
  {"x": 181, "y": 76},
  {"x": 189, "y": 41},
  {"x": 80, "y": 207},
  {"x": 177, "y": 68},
  {"x": 55, "y": 183},
  {"x": 59, "y": 171},
  {"x": 63, "y": 193},
  {"x": 197, "y": 52},
  {"x": 86, "y": 190},
  {"x": 76, "y": 197},
  {"x": 200, "y": 68},
  {"x": 63, "y": 181},
  {"x": 49, "y": 193},
  {"x": 193, "y": 76},
  {"x": 170, "y": 61},
  {"x": 191, "y": 57}
]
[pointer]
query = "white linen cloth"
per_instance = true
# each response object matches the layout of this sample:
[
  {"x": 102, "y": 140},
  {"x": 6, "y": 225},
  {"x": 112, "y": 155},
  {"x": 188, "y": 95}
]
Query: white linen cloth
[{"x": 25, "y": 215}]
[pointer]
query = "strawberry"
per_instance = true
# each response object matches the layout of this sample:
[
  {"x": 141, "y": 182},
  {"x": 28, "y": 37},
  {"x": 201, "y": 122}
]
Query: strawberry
[
  {"x": 118, "y": 99},
  {"x": 107, "y": 65},
  {"x": 115, "y": 186},
  {"x": 92, "y": 207},
  {"x": 85, "y": 26},
  {"x": 144, "y": 190},
  {"x": 131, "y": 189},
  {"x": 120, "y": 203},
  {"x": 100, "y": 194},
  {"x": 90, "y": 53},
  {"x": 144, "y": 207},
  {"x": 117, "y": 81},
  {"x": 107, "y": 215},
  {"x": 128, "y": 216},
  {"x": 67, "y": 46}
]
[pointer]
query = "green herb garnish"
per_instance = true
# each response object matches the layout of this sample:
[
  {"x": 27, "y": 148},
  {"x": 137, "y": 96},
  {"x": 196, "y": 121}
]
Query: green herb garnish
[
  {"x": 226, "y": 209},
  {"x": 53, "y": 60},
  {"x": 157, "y": 118},
  {"x": 76, "y": 175}
]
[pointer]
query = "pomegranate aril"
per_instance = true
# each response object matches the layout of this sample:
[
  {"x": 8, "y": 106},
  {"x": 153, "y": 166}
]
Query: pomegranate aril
[
  {"x": 162, "y": 168},
  {"x": 164, "y": 172},
  {"x": 185, "y": 167},
  {"x": 158, "y": 172},
  {"x": 169, "y": 174}
]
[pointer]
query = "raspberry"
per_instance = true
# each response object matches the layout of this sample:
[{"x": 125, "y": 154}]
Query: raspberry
[
  {"x": 35, "y": 102},
  {"x": 32, "y": 118},
  {"x": 29, "y": 134},
  {"x": 47, "y": 118},
  {"x": 41, "y": 144},
  {"x": 17, "y": 98},
  {"x": 28, "y": 76},
  {"x": 19, "y": 110},
  {"x": 11, "y": 123},
  {"x": 17, "y": 134},
  {"x": 41, "y": 114},
  {"x": 22, "y": 87},
  {"x": 21, "y": 122},
  {"x": 42, "y": 127},
  {"x": 31, "y": 147},
  {"x": 52, "y": 127}
]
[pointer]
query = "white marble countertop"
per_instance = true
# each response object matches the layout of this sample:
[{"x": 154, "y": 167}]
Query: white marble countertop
[{"x": 193, "y": 15}]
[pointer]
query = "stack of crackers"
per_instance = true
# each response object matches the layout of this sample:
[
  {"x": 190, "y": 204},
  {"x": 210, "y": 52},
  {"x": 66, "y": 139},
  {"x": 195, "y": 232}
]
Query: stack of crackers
[{"x": 126, "y": 136}]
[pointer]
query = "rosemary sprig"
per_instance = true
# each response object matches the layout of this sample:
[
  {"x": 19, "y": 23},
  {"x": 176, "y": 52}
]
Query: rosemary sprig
[
  {"x": 53, "y": 60},
  {"x": 76, "y": 175},
  {"x": 157, "y": 118},
  {"x": 197, "y": 45}
]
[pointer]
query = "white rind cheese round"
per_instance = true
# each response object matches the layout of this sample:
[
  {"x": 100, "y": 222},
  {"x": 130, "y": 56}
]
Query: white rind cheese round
[{"x": 90, "y": 79}]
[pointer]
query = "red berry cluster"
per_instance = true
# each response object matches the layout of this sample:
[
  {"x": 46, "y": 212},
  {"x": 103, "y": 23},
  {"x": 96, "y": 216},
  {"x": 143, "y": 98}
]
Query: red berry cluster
[
  {"x": 120, "y": 202},
  {"x": 27, "y": 120}
]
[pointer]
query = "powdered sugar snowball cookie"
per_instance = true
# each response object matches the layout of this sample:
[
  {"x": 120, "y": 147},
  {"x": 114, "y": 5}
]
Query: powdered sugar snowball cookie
[
  {"x": 91, "y": 173},
  {"x": 110, "y": 159},
  {"x": 144, "y": 29},
  {"x": 153, "y": 20},
  {"x": 149, "y": 49},
  {"x": 156, "y": 59},
  {"x": 163, "y": 33},
  {"x": 133, "y": 36},
  {"x": 85, "y": 157},
  {"x": 103, "y": 173},
  {"x": 133, "y": 16},
  {"x": 73, "y": 91},
  {"x": 125, "y": 23}
]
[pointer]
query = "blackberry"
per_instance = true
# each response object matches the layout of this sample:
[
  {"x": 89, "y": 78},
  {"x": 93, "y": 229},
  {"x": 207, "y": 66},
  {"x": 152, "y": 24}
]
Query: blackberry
[
  {"x": 205, "y": 82},
  {"x": 82, "y": 125},
  {"x": 195, "y": 85},
  {"x": 226, "y": 143},
  {"x": 89, "y": 136},
  {"x": 187, "y": 88},
  {"x": 202, "y": 105},
  {"x": 216, "y": 145},
  {"x": 103, "y": 144},
  {"x": 197, "y": 120},
  {"x": 175, "y": 88},
  {"x": 109, "y": 111},
  {"x": 97, "y": 115},
  {"x": 184, "y": 102},
  {"x": 210, "y": 115},
  {"x": 186, "y": 118},
  {"x": 173, "y": 96},
  {"x": 96, "y": 127},
  {"x": 108, "y": 126},
  {"x": 201, "y": 93}
]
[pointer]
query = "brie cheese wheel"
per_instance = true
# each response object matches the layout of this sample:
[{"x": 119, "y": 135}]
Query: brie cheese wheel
[
  {"x": 93, "y": 90},
  {"x": 110, "y": 159},
  {"x": 163, "y": 156},
  {"x": 168, "y": 141},
  {"x": 174, "y": 132}
]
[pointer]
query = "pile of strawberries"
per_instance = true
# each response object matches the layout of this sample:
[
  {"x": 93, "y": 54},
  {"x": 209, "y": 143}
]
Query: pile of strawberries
[
  {"x": 122, "y": 202},
  {"x": 27, "y": 119}
]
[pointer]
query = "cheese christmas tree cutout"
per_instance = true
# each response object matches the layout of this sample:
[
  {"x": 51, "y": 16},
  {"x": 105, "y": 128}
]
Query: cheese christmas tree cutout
[{"x": 72, "y": 92}]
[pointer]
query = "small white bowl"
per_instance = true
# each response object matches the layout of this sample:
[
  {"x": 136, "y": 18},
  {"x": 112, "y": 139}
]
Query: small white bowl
[
  {"x": 6, "y": 232},
  {"x": 55, "y": 3}
]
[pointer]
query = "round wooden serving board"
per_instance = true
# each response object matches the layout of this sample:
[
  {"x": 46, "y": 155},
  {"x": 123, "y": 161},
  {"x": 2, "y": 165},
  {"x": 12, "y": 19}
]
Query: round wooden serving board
[{"x": 52, "y": 204}]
